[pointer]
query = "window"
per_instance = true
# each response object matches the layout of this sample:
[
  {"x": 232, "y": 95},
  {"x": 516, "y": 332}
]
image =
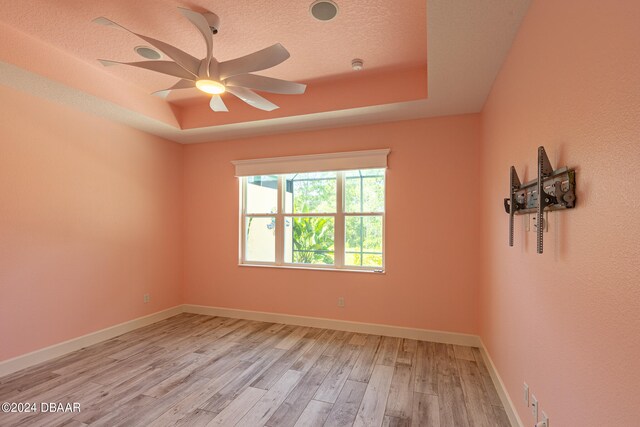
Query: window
[{"x": 332, "y": 219}]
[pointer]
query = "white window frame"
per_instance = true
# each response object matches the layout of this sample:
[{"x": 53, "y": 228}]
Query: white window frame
[
  {"x": 339, "y": 228},
  {"x": 333, "y": 162}
]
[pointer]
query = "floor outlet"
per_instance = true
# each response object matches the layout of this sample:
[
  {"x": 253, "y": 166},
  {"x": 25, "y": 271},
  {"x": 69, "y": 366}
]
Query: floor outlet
[{"x": 340, "y": 301}]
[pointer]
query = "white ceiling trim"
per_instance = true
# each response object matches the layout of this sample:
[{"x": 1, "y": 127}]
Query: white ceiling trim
[{"x": 468, "y": 41}]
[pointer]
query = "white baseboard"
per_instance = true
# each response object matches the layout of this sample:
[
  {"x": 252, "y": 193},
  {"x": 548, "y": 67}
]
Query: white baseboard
[
  {"x": 21, "y": 362},
  {"x": 35, "y": 357},
  {"x": 501, "y": 389},
  {"x": 340, "y": 325}
]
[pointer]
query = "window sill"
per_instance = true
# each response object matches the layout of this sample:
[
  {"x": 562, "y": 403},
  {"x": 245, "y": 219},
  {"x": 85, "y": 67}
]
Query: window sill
[{"x": 294, "y": 267}]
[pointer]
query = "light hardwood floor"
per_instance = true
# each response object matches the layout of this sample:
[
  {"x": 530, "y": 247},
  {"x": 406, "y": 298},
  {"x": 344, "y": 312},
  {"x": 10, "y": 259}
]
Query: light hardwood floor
[{"x": 196, "y": 370}]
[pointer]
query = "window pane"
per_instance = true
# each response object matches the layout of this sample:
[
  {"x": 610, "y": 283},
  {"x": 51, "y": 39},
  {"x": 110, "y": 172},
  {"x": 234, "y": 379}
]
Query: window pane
[
  {"x": 262, "y": 194},
  {"x": 310, "y": 192},
  {"x": 260, "y": 239},
  {"x": 364, "y": 190},
  {"x": 363, "y": 241},
  {"x": 309, "y": 240}
]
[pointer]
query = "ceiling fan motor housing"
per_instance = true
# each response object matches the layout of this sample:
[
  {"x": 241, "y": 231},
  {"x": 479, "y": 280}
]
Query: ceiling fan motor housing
[{"x": 213, "y": 20}]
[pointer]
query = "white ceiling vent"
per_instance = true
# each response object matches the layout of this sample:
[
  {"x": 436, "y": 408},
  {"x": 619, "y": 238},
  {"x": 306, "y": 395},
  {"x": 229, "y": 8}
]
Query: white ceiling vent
[{"x": 324, "y": 10}]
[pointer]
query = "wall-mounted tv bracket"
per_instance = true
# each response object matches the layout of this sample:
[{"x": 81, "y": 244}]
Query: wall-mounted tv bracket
[{"x": 558, "y": 190}]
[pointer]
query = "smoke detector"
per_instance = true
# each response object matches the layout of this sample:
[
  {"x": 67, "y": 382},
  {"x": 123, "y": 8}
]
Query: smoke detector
[
  {"x": 323, "y": 10},
  {"x": 357, "y": 64}
]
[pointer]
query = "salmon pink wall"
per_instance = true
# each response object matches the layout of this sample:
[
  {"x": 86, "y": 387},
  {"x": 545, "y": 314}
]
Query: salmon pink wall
[
  {"x": 568, "y": 321},
  {"x": 90, "y": 220},
  {"x": 431, "y": 260}
]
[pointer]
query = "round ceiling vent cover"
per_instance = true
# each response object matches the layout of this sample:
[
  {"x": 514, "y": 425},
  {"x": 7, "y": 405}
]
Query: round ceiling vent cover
[
  {"x": 147, "y": 52},
  {"x": 324, "y": 10}
]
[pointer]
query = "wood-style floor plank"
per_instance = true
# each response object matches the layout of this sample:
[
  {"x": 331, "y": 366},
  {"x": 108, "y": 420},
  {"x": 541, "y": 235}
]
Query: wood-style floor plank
[
  {"x": 486, "y": 379},
  {"x": 464, "y": 353},
  {"x": 371, "y": 411},
  {"x": 238, "y": 407},
  {"x": 289, "y": 411},
  {"x": 292, "y": 338},
  {"x": 426, "y": 412},
  {"x": 195, "y": 370},
  {"x": 388, "y": 351},
  {"x": 365, "y": 363},
  {"x": 237, "y": 385},
  {"x": 320, "y": 345},
  {"x": 314, "y": 415},
  {"x": 346, "y": 407},
  {"x": 182, "y": 409},
  {"x": 452, "y": 406},
  {"x": 335, "y": 379},
  {"x": 271, "y": 400},
  {"x": 407, "y": 351},
  {"x": 195, "y": 418},
  {"x": 479, "y": 408},
  {"x": 426, "y": 378},
  {"x": 395, "y": 422},
  {"x": 400, "y": 401},
  {"x": 285, "y": 362},
  {"x": 500, "y": 417}
]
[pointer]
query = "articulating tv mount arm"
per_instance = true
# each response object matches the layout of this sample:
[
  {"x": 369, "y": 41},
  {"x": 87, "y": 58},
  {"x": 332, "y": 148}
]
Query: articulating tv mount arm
[{"x": 557, "y": 188}]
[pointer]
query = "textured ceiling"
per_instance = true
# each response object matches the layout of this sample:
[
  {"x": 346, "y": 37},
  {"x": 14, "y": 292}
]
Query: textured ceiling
[
  {"x": 378, "y": 31},
  {"x": 49, "y": 49}
]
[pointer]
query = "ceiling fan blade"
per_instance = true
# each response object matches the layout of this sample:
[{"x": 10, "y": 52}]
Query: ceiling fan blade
[
  {"x": 256, "y": 61},
  {"x": 182, "y": 84},
  {"x": 200, "y": 22},
  {"x": 252, "y": 98},
  {"x": 217, "y": 104},
  {"x": 266, "y": 84},
  {"x": 181, "y": 58},
  {"x": 163, "y": 67},
  {"x": 101, "y": 20}
]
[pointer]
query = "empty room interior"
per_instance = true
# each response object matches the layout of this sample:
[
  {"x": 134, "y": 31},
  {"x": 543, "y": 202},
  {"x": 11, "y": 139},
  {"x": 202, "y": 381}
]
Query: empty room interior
[{"x": 320, "y": 213}]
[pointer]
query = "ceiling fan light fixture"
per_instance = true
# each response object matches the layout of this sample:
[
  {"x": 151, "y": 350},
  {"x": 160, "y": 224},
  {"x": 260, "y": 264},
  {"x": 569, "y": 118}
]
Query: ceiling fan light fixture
[
  {"x": 323, "y": 10},
  {"x": 211, "y": 87}
]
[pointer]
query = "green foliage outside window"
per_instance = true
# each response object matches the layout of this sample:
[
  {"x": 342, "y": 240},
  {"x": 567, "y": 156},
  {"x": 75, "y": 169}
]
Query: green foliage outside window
[
  {"x": 313, "y": 237},
  {"x": 313, "y": 240}
]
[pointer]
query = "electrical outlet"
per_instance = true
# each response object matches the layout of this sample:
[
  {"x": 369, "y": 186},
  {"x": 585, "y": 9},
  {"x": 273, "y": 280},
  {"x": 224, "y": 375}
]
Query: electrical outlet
[
  {"x": 545, "y": 420},
  {"x": 525, "y": 394},
  {"x": 146, "y": 298},
  {"x": 340, "y": 301},
  {"x": 534, "y": 408}
]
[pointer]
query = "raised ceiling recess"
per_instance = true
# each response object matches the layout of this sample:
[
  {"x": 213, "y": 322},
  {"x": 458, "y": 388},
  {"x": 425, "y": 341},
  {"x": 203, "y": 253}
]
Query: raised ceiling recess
[{"x": 401, "y": 78}]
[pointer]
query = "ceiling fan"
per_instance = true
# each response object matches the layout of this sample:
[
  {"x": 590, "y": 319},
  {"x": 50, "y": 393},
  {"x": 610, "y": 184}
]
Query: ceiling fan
[{"x": 213, "y": 77}]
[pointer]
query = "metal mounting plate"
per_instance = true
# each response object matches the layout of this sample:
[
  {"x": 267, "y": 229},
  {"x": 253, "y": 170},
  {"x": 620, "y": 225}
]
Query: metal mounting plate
[{"x": 553, "y": 190}]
